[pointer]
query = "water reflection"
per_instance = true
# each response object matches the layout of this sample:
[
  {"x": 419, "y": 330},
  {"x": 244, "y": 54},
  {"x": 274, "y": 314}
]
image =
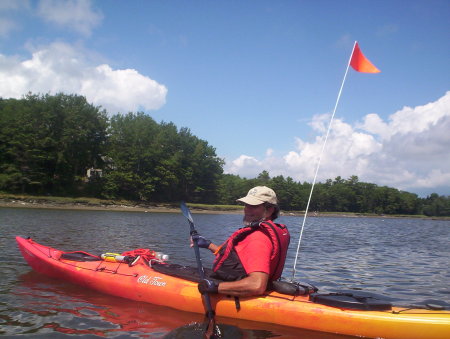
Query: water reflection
[
  {"x": 48, "y": 305},
  {"x": 44, "y": 306}
]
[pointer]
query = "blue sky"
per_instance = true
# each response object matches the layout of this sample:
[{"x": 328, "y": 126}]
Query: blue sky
[{"x": 256, "y": 79}]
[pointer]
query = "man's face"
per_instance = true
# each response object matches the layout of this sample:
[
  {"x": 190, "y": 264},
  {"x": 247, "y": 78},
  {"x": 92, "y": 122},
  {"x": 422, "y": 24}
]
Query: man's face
[{"x": 255, "y": 213}]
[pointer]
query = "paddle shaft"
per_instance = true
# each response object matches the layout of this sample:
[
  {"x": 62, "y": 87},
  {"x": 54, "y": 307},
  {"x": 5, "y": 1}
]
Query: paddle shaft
[{"x": 201, "y": 271}]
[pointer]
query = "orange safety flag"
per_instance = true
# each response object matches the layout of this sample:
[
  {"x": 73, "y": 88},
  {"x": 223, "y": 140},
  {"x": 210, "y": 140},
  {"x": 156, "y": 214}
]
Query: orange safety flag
[{"x": 360, "y": 63}]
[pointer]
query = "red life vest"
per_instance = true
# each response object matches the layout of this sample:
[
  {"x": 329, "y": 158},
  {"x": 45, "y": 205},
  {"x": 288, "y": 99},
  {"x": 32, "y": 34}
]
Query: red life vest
[{"x": 227, "y": 264}]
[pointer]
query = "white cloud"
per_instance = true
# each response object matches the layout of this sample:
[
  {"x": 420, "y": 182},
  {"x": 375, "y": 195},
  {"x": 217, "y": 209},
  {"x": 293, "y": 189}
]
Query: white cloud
[
  {"x": 434, "y": 178},
  {"x": 123, "y": 89},
  {"x": 63, "y": 68},
  {"x": 245, "y": 166},
  {"x": 372, "y": 123},
  {"x": 420, "y": 118},
  {"x": 410, "y": 151},
  {"x": 77, "y": 15}
]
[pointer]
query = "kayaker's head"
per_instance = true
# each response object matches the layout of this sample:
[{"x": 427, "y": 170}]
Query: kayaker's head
[{"x": 260, "y": 204}]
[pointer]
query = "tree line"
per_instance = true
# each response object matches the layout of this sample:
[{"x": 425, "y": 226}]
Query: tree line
[
  {"x": 338, "y": 195},
  {"x": 62, "y": 145}
]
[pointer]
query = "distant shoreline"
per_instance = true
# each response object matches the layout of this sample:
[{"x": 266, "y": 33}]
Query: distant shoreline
[
  {"x": 153, "y": 208},
  {"x": 43, "y": 203}
]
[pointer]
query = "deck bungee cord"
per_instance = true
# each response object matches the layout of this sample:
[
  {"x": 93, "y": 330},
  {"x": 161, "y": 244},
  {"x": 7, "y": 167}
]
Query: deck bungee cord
[{"x": 71, "y": 258}]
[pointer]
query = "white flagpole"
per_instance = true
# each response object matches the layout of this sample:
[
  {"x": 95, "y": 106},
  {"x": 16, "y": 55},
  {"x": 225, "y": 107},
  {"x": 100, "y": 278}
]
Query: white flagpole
[{"x": 320, "y": 158}]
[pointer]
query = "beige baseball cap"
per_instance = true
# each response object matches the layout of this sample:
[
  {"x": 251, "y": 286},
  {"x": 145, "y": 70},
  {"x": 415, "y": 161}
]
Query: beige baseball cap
[{"x": 259, "y": 195}]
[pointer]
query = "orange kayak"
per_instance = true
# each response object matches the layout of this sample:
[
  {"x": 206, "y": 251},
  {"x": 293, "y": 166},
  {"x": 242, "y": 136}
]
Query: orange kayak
[{"x": 138, "y": 279}]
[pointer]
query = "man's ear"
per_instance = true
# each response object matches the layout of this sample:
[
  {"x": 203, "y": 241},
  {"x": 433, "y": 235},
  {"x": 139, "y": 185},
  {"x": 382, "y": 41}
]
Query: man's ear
[{"x": 269, "y": 211}]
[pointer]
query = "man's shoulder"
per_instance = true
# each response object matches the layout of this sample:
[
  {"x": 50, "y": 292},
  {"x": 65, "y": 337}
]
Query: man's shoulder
[{"x": 259, "y": 234}]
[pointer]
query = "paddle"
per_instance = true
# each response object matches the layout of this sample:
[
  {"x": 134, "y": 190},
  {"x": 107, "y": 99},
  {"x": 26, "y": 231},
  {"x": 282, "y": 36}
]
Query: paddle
[{"x": 211, "y": 330}]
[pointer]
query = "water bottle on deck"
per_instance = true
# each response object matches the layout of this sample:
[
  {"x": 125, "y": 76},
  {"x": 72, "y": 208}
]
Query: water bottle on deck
[
  {"x": 115, "y": 257},
  {"x": 161, "y": 256}
]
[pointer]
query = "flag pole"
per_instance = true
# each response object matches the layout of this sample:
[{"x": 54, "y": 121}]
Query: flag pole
[{"x": 320, "y": 159}]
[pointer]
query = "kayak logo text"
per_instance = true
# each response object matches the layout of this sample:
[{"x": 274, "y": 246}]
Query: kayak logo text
[{"x": 155, "y": 281}]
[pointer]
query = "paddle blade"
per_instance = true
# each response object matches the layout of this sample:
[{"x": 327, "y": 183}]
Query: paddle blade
[
  {"x": 186, "y": 212},
  {"x": 212, "y": 331}
]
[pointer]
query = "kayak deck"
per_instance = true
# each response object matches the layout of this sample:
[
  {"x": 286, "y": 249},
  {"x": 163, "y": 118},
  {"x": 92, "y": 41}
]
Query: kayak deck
[{"x": 143, "y": 283}]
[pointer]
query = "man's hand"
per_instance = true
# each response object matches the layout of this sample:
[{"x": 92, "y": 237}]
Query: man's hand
[
  {"x": 208, "y": 286},
  {"x": 201, "y": 241}
]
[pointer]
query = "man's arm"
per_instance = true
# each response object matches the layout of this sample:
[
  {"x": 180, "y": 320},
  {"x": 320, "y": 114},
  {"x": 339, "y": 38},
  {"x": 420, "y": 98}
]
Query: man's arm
[
  {"x": 254, "y": 284},
  {"x": 213, "y": 247}
]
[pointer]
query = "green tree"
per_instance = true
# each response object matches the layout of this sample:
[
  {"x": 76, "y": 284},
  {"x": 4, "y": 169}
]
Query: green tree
[
  {"x": 231, "y": 187},
  {"x": 156, "y": 162},
  {"x": 435, "y": 205},
  {"x": 48, "y": 142}
]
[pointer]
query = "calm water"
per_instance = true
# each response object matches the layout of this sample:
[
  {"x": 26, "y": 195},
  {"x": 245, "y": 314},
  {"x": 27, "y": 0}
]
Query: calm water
[{"x": 404, "y": 260}]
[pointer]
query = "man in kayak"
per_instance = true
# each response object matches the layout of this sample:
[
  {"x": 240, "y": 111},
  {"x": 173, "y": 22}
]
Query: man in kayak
[{"x": 253, "y": 255}]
